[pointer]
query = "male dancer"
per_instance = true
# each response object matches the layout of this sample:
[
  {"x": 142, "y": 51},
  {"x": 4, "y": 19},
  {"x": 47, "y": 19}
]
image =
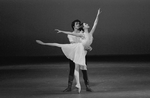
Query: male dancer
[{"x": 73, "y": 39}]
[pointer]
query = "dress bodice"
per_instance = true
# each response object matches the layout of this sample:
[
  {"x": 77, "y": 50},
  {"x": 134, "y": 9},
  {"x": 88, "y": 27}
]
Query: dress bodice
[{"x": 87, "y": 39}]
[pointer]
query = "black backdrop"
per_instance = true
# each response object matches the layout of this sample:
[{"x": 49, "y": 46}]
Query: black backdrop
[{"x": 123, "y": 27}]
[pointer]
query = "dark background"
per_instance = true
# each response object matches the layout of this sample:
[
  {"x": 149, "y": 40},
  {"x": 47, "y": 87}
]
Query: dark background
[{"x": 123, "y": 27}]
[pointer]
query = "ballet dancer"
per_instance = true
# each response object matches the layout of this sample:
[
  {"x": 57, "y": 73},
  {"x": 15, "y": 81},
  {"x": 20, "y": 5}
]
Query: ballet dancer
[
  {"x": 72, "y": 39},
  {"x": 76, "y": 52}
]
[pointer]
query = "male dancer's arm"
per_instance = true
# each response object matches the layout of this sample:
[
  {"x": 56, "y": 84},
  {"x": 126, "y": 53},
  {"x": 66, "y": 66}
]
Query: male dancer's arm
[{"x": 88, "y": 48}]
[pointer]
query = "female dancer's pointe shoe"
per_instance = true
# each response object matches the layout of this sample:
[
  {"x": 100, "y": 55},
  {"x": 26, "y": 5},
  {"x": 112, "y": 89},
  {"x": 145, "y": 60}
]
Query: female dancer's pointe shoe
[{"x": 78, "y": 88}]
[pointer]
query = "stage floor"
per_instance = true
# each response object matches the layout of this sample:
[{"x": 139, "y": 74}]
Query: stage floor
[{"x": 48, "y": 80}]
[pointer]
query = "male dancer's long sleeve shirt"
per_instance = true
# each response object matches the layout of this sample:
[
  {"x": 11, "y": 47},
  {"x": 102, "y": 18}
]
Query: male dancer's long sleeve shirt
[{"x": 73, "y": 39}]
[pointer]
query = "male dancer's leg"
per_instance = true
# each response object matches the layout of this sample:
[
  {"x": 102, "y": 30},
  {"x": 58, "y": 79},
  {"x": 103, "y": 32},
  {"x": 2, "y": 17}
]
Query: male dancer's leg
[
  {"x": 86, "y": 80},
  {"x": 71, "y": 76}
]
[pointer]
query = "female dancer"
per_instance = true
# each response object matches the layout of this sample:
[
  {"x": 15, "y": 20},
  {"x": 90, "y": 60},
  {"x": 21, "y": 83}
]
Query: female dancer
[{"x": 76, "y": 52}]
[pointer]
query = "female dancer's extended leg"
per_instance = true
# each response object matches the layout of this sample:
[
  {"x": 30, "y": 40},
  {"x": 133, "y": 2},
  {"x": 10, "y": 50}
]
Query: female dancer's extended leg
[
  {"x": 77, "y": 78},
  {"x": 76, "y": 71},
  {"x": 49, "y": 44}
]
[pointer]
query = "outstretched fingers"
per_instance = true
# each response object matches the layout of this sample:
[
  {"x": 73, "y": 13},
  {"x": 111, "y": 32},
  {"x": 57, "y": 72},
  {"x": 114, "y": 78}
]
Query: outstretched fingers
[
  {"x": 99, "y": 11},
  {"x": 58, "y": 31}
]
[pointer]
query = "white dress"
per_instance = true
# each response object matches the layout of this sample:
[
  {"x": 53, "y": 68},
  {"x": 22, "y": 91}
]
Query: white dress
[{"x": 76, "y": 51}]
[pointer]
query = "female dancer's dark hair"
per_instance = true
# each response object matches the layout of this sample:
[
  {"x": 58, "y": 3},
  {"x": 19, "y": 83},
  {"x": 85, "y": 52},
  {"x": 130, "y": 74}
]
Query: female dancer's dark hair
[{"x": 81, "y": 27}]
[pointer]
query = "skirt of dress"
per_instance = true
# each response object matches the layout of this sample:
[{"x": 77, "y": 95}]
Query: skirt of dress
[{"x": 75, "y": 52}]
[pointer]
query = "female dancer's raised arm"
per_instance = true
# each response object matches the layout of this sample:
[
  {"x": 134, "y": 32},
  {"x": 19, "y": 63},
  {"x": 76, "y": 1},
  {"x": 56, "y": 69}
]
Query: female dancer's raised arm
[{"x": 95, "y": 22}]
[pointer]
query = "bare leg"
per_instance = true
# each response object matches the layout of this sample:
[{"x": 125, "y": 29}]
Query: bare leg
[
  {"x": 77, "y": 78},
  {"x": 49, "y": 44}
]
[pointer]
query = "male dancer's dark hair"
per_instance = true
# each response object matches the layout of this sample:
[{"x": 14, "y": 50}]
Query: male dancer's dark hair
[{"x": 73, "y": 23}]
